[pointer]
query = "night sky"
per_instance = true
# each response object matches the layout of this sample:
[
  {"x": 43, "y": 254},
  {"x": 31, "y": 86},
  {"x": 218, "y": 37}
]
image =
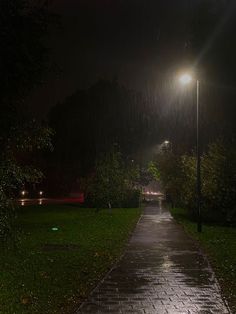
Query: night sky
[{"x": 136, "y": 41}]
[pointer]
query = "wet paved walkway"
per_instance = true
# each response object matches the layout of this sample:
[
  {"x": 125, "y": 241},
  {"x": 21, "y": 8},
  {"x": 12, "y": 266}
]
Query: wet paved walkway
[{"x": 162, "y": 271}]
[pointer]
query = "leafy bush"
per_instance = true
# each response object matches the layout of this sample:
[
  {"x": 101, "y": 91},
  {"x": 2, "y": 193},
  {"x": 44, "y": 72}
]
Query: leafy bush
[
  {"x": 218, "y": 181},
  {"x": 113, "y": 183},
  {"x": 14, "y": 173},
  {"x": 169, "y": 171},
  {"x": 218, "y": 169}
]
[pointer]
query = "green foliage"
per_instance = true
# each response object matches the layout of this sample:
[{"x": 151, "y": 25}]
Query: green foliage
[
  {"x": 168, "y": 168},
  {"x": 188, "y": 192},
  {"x": 15, "y": 171},
  {"x": 31, "y": 136},
  {"x": 112, "y": 181},
  {"x": 219, "y": 181},
  {"x": 108, "y": 185},
  {"x": 154, "y": 171},
  {"x": 218, "y": 177},
  {"x": 218, "y": 169}
]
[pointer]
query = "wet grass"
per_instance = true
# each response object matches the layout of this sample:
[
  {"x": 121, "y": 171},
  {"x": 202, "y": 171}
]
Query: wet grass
[
  {"x": 219, "y": 243},
  {"x": 51, "y": 271}
]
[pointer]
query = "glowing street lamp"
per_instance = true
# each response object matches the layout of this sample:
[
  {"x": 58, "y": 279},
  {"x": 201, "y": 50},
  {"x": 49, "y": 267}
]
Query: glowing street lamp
[{"x": 185, "y": 79}]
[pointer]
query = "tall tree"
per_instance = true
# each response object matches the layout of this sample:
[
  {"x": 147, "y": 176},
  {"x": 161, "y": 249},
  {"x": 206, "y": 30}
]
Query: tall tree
[{"x": 23, "y": 26}]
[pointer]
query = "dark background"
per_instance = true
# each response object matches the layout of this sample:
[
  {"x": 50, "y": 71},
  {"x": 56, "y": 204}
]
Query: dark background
[
  {"x": 135, "y": 40},
  {"x": 115, "y": 73}
]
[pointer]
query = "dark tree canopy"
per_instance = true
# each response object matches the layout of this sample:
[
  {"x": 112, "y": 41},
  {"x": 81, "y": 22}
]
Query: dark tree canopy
[
  {"x": 23, "y": 58},
  {"x": 23, "y": 26},
  {"x": 91, "y": 121}
]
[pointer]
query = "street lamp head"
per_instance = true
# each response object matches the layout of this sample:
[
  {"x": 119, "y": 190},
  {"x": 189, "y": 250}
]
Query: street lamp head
[{"x": 185, "y": 79}]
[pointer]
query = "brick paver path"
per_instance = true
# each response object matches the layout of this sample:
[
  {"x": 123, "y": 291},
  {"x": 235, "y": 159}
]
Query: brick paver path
[{"x": 162, "y": 271}]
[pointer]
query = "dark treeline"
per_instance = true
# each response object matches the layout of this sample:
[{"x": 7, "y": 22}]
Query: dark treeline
[{"x": 91, "y": 121}]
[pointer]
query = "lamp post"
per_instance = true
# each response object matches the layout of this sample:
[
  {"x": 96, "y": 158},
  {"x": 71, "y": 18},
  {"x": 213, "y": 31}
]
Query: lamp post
[{"x": 184, "y": 80}]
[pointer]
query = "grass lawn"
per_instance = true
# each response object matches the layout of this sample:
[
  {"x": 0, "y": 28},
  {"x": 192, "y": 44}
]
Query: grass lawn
[
  {"x": 51, "y": 271},
  {"x": 220, "y": 245}
]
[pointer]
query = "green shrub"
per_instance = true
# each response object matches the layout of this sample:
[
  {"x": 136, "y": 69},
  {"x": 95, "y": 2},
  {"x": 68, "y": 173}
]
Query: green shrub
[
  {"x": 218, "y": 181},
  {"x": 113, "y": 183}
]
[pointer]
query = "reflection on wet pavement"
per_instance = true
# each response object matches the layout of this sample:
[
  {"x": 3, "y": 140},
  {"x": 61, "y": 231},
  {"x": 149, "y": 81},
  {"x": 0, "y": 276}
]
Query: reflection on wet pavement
[{"x": 162, "y": 271}]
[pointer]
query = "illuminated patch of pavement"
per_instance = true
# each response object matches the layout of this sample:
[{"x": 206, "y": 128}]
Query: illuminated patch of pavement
[{"x": 162, "y": 271}]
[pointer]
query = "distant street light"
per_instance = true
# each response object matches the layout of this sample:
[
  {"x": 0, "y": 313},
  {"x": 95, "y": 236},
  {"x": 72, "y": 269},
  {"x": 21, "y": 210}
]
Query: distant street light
[
  {"x": 184, "y": 80},
  {"x": 167, "y": 145}
]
